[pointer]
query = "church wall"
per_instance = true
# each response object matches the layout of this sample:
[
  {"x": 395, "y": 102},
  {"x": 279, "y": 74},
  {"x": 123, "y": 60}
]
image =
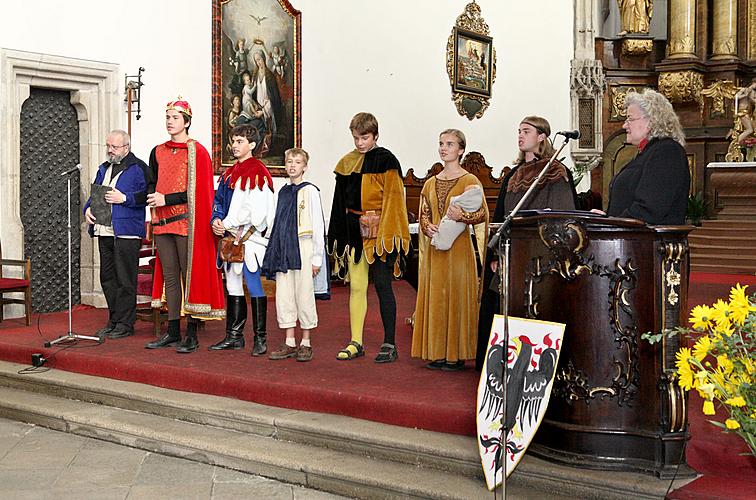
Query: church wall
[{"x": 385, "y": 57}]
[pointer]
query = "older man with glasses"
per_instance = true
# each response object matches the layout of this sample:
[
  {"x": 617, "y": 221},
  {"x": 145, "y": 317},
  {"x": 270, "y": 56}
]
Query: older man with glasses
[{"x": 119, "y": 236}]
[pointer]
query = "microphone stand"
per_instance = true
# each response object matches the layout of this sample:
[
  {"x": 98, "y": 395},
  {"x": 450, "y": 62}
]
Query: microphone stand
[
  {"x": 503, "y": 238},
  {"x": 70, "y": 336}
]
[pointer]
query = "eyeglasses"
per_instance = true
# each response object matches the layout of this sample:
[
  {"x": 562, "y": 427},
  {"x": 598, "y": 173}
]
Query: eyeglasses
[
  {"x": 630, "y": 119},
  {"x": 111, "y": 146}
]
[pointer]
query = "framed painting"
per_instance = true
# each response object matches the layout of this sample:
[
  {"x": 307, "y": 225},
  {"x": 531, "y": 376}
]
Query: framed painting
[
  {"x": 257, "y": 60},
  {"x": 472, "y": 63}
]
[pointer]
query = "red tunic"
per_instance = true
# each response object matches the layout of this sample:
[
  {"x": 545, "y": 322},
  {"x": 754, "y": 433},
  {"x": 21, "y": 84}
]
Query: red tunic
[
  {"x": 172, "y": 159},
  {"x": 203, "y": 286}
]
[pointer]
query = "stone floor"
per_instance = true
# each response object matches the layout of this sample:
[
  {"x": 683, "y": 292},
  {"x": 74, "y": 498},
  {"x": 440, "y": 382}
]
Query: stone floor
[{"x": 39, "y": 463}]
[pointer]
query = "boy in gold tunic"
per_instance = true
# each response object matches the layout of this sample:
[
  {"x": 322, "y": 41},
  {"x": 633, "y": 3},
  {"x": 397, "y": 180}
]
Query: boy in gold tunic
[{"x": 368, "y": 233}]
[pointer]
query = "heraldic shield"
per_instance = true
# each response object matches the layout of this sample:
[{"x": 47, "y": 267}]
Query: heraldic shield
[{"x": 532, "y": 358}]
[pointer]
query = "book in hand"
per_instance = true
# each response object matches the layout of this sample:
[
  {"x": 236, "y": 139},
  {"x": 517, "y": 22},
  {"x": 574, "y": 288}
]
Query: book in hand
[{"x": 101, "y": 209}]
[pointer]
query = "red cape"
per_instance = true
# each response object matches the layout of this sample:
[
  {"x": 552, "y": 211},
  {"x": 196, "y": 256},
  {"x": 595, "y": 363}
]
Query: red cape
[
  {"x": 251, "y": 171},
  {"x": 203, "y": 285}
]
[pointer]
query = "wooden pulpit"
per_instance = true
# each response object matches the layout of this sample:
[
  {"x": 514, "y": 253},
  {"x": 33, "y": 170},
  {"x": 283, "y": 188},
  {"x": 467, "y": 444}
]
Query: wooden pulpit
[{"x": 616, "y": 403}]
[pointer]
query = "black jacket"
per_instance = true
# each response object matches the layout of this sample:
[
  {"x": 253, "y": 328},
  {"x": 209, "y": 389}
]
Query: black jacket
[{"x": 653, "y": 186}]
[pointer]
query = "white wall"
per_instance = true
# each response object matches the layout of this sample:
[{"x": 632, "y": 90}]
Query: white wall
[{"x": 386, "y": 57}]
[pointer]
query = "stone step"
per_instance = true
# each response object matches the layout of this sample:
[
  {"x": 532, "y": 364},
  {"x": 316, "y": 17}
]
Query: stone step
[
  {"x": 449, "y": 452},
  {"x": 748, "y": 225},
  {"x": 338, "y": 454},
  {"x": 714, "y": 238},
  {"x": 721, "y": 248},
  {"x": 726, "y": 228},
  {"x": 727, "y": 199},
  {"x": 297, "y": 463}
]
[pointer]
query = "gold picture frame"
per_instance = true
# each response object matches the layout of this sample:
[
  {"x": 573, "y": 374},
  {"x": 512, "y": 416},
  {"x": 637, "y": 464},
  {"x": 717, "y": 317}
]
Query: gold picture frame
[
  {"x": 471, "y": 63},
  {"x": 257, "y": 43}
]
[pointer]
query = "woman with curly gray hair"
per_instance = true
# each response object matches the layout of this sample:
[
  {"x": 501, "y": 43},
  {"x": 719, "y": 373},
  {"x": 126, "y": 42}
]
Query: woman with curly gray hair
[{"x": 653, "y": 186}]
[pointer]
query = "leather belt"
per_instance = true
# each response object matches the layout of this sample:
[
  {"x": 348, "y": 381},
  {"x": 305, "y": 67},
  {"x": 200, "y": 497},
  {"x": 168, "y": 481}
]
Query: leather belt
[{"x": 175, "y": 218}]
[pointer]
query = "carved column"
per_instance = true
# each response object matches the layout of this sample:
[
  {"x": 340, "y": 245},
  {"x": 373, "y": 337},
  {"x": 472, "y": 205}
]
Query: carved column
[
  {"x": 682, "y": 29},
  {"x": 587, "y": 86},
  {"x": 725, "y": 30},
  {"x": 751, "y": 30}
]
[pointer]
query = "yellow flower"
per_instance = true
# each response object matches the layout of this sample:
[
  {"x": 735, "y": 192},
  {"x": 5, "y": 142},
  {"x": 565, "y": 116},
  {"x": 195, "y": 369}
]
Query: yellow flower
[
  {"x": 683, "y": 368},
  {"x": 708, "y": 408},
  {"x": 736, "y": 401},
  {"x": 700, "y": 316},
  {"x": 723, "y": 328},
  {"x": 724, "y": 363},
  {"x": 732, "y": 424},
  {"x": 738, "y": 294},
  {"x": 739, "y": 304},
  {"x": 701, "y": 348},
  {"x": 721, "y": 312},
  {"x": 707, "y": 391}
]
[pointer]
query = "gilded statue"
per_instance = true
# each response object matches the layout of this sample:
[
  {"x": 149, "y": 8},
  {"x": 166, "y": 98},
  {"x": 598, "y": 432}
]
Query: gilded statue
[
  {"x": 742, "y": 133},
  {"x": 635, "y": 15}
]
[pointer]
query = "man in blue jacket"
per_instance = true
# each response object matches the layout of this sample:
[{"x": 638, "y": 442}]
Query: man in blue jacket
[{"x": 119, "y": 240}]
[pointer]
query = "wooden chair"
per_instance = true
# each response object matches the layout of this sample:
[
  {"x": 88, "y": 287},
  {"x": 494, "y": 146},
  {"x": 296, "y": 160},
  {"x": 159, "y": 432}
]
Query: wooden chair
[
  {"x": 145, "y": 311},
  {"x": 15, "y": 285}
]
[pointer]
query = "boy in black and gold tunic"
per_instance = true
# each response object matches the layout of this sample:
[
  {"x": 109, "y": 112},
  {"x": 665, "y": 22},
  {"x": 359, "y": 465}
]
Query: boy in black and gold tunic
[{"x": 368, "y": 234}]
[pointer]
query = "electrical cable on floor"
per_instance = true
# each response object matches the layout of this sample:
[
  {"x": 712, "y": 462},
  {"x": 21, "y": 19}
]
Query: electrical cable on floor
[
  {"x": 39, "y": 362},
  {"x": 677, "y": 469}
]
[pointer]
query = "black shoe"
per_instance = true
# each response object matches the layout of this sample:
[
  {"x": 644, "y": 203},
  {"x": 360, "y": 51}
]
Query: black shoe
[
  {"x": 436, "y": 365},
  {"x": 170, "y": 338},
  {"x": 120, "y": 332},
  {"x": 261, "y": 344},
  {"x": 102, "y": 332},
  {"x": 167, "y": 340},
  {"x": 259, "y": 320},
  {"x": 236, "y": 318},
  {"x": 457, "y": 366},
  {"x": 190, "y": 342},
  {"x": 230, "y": 342}
]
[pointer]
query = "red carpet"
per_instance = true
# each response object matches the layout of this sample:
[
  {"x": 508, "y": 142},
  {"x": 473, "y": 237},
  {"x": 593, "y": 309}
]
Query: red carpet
[
  {"x": 404, "y": 393},
  {"x": 727, "y": 474}
]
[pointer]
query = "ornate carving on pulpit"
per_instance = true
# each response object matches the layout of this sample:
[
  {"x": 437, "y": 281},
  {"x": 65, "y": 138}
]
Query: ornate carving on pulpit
[
  {"x": 673, "y": 254},
  {"x": 572, "y": 384},
  {"x": 566, "y": 240}
]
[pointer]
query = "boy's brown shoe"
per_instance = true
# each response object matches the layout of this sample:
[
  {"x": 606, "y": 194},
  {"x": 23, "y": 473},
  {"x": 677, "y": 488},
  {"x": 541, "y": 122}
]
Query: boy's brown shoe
[
  {"x": 304, "y": 353},
  {"x": 283, "y": 352}
]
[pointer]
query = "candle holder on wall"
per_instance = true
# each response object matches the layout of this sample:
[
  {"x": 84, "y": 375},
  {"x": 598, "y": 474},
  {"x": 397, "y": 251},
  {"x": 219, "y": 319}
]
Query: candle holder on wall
[{"x": 134, "y": 95}]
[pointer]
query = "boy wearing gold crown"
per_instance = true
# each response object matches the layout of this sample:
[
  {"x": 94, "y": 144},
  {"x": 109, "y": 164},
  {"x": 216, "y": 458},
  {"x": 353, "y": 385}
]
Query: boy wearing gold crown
[{"x": 180, "y": 196}]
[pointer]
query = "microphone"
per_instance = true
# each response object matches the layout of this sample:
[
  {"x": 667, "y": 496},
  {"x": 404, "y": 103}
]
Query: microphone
[
  {"x": 67, "y": 172},
  {"x": 570, "y": 134}
]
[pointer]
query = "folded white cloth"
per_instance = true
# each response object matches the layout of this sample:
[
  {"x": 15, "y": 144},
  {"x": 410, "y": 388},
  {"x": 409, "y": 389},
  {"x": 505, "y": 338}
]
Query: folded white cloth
[{"x": 448, "y": 230}]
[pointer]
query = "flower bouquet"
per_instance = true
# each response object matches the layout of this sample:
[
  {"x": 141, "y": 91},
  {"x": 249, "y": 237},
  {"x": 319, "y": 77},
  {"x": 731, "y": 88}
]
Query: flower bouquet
[{"x": 721, "y": 366}]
